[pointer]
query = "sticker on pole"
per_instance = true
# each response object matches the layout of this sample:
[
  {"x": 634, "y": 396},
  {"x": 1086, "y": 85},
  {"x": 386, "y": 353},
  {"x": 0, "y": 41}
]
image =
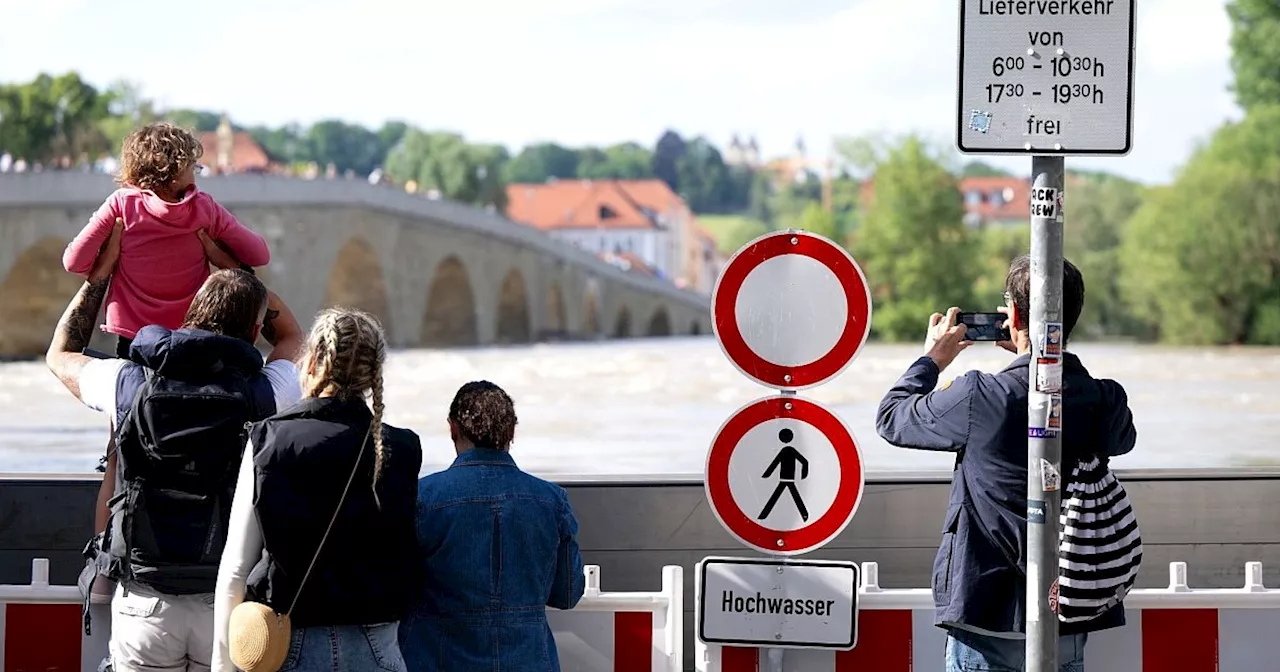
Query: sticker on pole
[
  {"x": 784, "y": 475},
  {"x": 791, "y": 309}
]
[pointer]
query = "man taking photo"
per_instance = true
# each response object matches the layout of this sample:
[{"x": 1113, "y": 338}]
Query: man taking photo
[{"x": 979, "y": 573}]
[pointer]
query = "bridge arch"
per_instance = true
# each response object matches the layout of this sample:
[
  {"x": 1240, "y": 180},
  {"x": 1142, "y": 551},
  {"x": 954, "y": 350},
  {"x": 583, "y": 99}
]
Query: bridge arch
[
  {"x": 32, "y": 297},
  {"x": 450, "y": 316},
  {"x": 591, "y": 315},
  {"x": 356, "y": 281},
  {"x": 513, "y": 310},
  {"x": 556, "y": 323},
  {"x": 622, "y": 325},
  {"x": 660, "y": 323}
]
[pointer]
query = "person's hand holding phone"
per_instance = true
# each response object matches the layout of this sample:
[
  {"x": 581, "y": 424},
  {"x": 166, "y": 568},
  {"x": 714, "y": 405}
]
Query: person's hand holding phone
[
  {"x": 945, "y": 339},
  {"x": 1008, "y": 326}
]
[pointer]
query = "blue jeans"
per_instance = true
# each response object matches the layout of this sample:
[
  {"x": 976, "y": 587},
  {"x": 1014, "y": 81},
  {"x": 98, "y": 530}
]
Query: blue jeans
[
  {"x": 345, "y": 648},
  {"x": 971, "y": 652}
]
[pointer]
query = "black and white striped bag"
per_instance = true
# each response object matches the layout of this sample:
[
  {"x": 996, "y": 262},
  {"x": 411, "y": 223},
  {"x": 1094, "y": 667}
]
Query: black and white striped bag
[{"x": 1100, "y": 549}]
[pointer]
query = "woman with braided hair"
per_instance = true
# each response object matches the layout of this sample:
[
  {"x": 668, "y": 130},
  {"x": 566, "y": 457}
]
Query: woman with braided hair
[{"x": 322, "y": 526}]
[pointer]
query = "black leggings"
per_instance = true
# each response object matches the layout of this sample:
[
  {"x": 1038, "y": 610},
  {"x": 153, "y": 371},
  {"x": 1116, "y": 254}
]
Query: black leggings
[{"x": 122, "y": 346}]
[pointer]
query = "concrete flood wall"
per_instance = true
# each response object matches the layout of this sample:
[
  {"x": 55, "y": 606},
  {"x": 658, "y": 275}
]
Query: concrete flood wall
[{"x": 1215, "y": 521}]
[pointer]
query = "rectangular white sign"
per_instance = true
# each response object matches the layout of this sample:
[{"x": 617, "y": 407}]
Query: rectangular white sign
[
  {"x": 1046, "y": 77},
  {"x": 787, "y": 604}
]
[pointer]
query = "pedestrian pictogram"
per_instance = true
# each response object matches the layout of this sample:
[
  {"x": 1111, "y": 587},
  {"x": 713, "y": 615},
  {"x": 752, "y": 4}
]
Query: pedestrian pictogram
[
  {"x": 785, "y": 464},
  {"x": 784, "y": 475},
  {"x": 772, "y": 336}
]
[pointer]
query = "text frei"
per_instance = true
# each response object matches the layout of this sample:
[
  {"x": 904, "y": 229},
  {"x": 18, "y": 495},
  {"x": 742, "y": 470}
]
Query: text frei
[{"x": 758, "y": 604}]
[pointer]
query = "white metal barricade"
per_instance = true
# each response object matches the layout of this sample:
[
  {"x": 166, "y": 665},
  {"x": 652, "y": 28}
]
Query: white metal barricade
[
  {"x": 1174, "y": 629},
  {"x": 623, "y": 632},
  {"x": 606, "y": 632}
]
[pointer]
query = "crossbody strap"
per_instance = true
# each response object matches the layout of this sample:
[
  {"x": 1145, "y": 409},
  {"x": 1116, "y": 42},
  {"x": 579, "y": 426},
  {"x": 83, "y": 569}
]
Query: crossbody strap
[{"x": 332, "y": 520}]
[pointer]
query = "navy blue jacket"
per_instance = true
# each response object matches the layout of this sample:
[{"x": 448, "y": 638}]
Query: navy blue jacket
[
  {"x": 979, "y": 574},
  {"x": 498, "y": 547}
]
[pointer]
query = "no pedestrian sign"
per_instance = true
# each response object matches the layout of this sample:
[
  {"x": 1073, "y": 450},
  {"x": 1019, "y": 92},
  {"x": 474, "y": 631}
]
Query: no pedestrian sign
[
  {"x": 791, "y": 309},
  {"x": 784, "y": 475},
  {"x": 1046, "y": 77}
]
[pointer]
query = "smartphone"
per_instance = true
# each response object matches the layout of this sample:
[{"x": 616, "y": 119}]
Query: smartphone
[
  {"x": 984, "y": 326},
  {"x": 96, "y": 354}
]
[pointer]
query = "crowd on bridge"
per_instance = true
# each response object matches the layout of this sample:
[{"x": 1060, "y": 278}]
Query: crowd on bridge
[{"x": 258, "y": 514}]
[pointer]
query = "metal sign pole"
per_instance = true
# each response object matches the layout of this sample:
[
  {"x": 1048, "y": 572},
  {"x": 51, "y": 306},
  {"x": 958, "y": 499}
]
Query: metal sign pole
[
  {"x": 1044, "y": 444},
  {"x": 772, "y": 660}
]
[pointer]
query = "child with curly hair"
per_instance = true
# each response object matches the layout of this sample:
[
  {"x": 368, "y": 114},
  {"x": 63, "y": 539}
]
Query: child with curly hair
[{"x": 162, "y": 261}]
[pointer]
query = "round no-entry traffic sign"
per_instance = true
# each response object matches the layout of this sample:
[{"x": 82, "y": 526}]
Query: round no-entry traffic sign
[
  {"x": 791, "y": 309},
  {"x": 784, "y": 475}
]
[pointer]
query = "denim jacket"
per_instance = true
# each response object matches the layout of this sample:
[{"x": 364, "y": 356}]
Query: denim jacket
[{"x": 498, "y": 546}]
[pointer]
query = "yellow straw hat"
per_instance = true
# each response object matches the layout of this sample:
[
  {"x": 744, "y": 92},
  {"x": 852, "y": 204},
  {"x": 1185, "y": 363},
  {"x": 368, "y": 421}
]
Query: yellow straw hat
[{"x": 259, "y": 637}]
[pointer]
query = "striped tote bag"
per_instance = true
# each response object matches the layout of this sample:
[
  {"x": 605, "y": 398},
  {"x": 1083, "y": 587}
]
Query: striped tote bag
[{"x": 1101, "y": 549}]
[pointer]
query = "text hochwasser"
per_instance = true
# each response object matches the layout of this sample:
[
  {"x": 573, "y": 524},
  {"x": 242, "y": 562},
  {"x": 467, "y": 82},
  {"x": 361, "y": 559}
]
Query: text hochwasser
[{"x": 759, "y": 604}]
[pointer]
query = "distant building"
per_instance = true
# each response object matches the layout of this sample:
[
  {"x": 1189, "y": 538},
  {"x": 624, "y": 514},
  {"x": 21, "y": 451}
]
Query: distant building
[
  {"x": 230, "y": 151},
  {"x": 745, "y": 155},
  {"x": 987, "y": 200},
  {"x": 996, "y": 200},
  {"x": 640, "y": 225}
]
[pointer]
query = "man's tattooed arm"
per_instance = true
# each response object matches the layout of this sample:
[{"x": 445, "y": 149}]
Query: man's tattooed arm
[
  {"x": 269, "y": 326},
  {"x": 65, "y": 356}
]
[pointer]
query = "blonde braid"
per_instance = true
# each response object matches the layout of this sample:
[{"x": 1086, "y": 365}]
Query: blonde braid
[{"x": 356, "y": 337}]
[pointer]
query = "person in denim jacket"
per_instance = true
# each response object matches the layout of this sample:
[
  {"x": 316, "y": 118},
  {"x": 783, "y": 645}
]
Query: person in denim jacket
[{"x": 498, "y": 546}]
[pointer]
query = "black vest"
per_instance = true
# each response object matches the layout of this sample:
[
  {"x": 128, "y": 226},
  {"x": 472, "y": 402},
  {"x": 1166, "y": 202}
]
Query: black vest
[
  {"x": 302, "y": 460},
  {"x": 184, "y": 406}
]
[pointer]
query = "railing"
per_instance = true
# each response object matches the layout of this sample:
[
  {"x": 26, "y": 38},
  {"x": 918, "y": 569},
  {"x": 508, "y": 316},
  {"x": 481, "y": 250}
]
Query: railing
[
  {"x": 1173, "y": 629},
  {"x": 42, "y": 630}
]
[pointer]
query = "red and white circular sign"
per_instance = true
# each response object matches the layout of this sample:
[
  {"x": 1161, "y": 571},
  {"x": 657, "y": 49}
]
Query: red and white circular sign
[
  {"x": 791, "y": 309},
  {"x": 784, "y": 475}
]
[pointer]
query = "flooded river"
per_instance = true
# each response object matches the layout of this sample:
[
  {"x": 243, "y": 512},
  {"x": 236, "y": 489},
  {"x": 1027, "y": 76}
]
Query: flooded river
[{"x": 631, "y": 408}]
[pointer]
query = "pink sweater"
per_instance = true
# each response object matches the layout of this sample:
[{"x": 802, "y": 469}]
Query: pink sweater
[{"x": 162, "y": 264}]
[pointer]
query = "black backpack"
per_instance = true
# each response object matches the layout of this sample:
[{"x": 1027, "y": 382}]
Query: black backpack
[{"x": 179, "y": 448}]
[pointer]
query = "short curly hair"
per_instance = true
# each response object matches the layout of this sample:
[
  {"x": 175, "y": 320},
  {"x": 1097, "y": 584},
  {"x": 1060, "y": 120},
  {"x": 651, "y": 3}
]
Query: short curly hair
[
  {"x": 156, "y": 154},
  {"x": 485, "y": 415}
]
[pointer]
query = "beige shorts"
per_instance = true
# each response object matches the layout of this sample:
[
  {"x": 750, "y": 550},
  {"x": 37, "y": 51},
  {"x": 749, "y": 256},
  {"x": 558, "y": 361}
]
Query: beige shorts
[{"x": 154, "y": 632}]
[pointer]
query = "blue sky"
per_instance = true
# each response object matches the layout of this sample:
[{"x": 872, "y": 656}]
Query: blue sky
[{"x": 597, "y": 71}]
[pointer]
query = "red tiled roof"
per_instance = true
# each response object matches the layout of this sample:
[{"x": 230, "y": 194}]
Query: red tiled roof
[
  {"x": 989, "y": 198},
  {"x": 567, "y": 204},
  {"x": 1002, "y": 198},
  {"x": 246, "y": 154}
]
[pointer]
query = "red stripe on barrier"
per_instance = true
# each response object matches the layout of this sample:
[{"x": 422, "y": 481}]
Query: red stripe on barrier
[
  {"x": 633, "y": 641},
  {"x": 739, "y": 659},
  {"x": 42, "y": 637},
  {"x": 884, "y": 643},
  {"x": 1180, "y": 640}
]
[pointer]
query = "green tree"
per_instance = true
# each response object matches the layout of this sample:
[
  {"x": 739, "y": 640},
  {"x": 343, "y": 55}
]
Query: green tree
[
  {"x": 982, "y": 169},
  {"x": 539, "y": 162},
  {"x": 815, "y": 219},
  {"x": 667, "y": 153},
  {"x": 201, "y": 121},
  {"x": 625, "y": 161},
  {"x": 912, "y": 244},
  {"x": 127, "y": 110},
  {"x": 1255, "y": 51},
  {"x": 1096, "y": 210},
  {"x": 702, "y": 176},
  {"x": 1201, "y": 258},
  {"x": 444, "y": 162},
  {"x": 52, "y": 117}
]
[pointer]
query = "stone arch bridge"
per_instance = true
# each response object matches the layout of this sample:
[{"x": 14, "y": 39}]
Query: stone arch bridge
[{"x": 438, "y": 274}]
